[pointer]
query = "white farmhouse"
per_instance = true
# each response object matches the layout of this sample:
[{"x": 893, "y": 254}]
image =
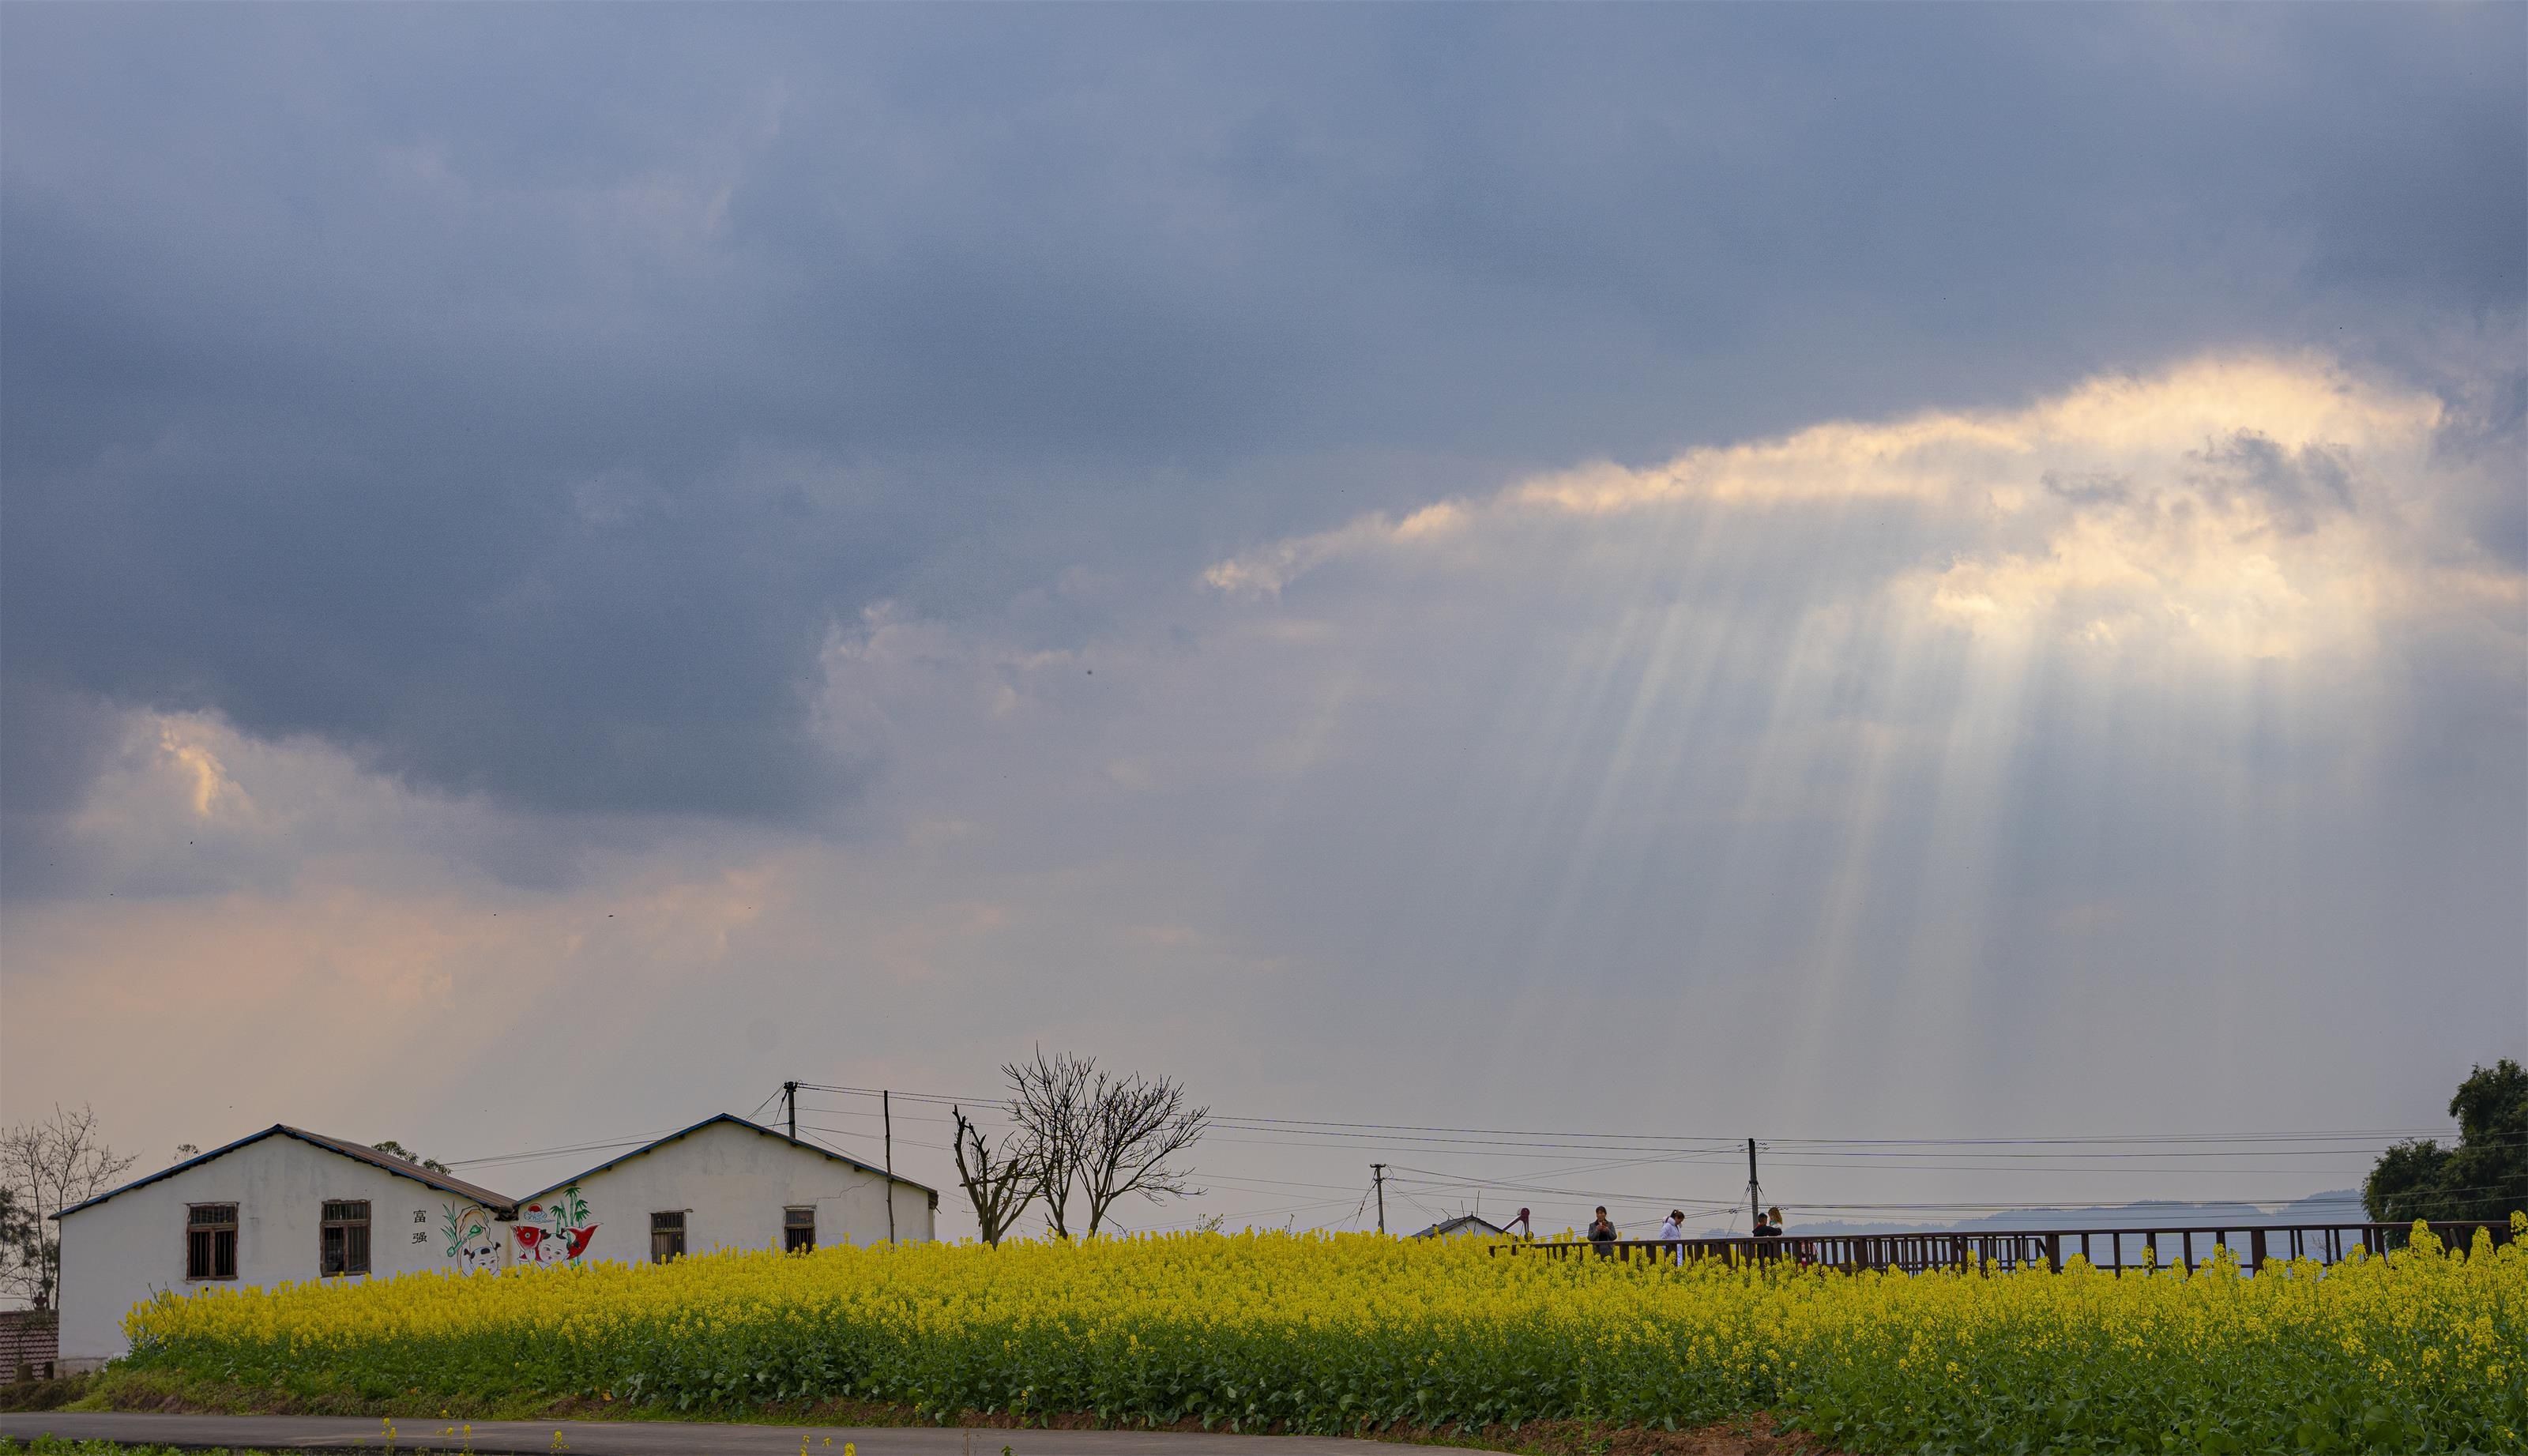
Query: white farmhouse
[
  {"x": 722, "y": 1183},
  {"x": 281, "y": 1204},
  {"x": 288, "y": 1204}
]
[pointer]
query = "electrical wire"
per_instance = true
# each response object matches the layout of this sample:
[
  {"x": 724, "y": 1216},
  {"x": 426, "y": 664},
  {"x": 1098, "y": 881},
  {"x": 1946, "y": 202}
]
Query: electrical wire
[
  {"x": 1566, "y": 1154},
  {"x": 1712, "y": 1142}
]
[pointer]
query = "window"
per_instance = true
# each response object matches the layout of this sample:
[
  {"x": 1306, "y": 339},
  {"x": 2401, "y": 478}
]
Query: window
[
  {"x": 798, "y": 1228},
  {"x": 346, "y": 1237},
  {"x": 666, "y": 1236},
  {"x": 210, "y": 1241}
]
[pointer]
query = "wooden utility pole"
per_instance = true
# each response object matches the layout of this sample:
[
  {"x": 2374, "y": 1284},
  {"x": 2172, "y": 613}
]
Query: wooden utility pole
[
  {"x": 886, "y": 1124},
  {"x": 1378, "y": 1180},
  {"x": 1755, "y": 1193}
]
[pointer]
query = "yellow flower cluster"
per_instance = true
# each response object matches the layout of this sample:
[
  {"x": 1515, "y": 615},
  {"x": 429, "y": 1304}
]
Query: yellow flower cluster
[{"x": 2424, "y": 1349}]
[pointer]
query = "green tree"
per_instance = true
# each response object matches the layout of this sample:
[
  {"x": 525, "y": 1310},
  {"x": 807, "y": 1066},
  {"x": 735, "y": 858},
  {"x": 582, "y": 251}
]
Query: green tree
[
  {"x": 393, "y": 1149},
  {"x": 19, "y": 1242},
  {"x": 2484, "y": 1177}
]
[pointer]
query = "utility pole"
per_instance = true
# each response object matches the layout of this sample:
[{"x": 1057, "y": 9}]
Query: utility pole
[
  {"x": 790, "y": 1098},
  {"x": 887, "y": 1123},
  {"x": 1755, "y": 1193},
  {"x": 1378, "y": 1180}
]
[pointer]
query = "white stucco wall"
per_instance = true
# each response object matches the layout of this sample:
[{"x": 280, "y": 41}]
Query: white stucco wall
[
  {"x": 732, "y": 1183},
  {"x": 132, "y": 1246}
]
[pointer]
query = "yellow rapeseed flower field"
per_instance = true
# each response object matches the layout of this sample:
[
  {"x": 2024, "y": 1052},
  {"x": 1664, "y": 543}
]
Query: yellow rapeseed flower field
[{"x": 2424, "y": 1349}]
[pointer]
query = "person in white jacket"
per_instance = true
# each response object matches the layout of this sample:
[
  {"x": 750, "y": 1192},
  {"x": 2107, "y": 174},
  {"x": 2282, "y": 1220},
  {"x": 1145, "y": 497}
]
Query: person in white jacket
[{"x": 1673, "y": 1230}]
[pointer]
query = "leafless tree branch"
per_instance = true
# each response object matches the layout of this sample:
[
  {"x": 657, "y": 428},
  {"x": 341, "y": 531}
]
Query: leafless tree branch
[
  {"x": 45, "y": 1167},
  {"x": 1000, "y": 1181},
  {"x": 1111, "y": 1136},
  {"x": 1049, "y": 1101},
  {"x": 1135, "y": 1125}
]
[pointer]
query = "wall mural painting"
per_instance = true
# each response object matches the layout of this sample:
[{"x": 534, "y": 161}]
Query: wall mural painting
[
  {"x": 553, "y": 1230},
  {"x": 473, "y": 1238}
]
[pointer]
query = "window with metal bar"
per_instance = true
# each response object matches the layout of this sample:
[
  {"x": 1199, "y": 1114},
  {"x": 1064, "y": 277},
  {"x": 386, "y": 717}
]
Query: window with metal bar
[
  {"x": 211, "y": 1241},
  {"x": 798, "y": 1228},
  {"x": 345, "y": 1247},
  {"x": 666, "y": 1236}
]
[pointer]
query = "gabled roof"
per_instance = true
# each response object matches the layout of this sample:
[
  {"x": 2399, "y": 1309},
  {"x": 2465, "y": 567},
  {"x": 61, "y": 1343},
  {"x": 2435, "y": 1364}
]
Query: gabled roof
[
  {"x": 1463, "y": 1224},
  {"x": 730, "y": 1117},
  {"x": 497, "y": 1203}
]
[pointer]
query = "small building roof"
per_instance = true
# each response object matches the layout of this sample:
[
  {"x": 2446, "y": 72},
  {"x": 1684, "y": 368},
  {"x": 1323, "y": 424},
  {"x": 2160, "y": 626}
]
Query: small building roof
[
  {"x": 499, "y": 1204},
  {"x": 730, "y": 1117},
  {"x": 1462, "y": 1224}
]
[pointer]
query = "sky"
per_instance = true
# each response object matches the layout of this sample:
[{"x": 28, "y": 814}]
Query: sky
[{"x": 1647, "y": 576}]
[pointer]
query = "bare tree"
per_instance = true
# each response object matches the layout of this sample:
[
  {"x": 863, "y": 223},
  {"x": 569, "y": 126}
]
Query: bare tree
[
  {"x": 48, "y": 1166},
  {"x": 1135, "y": 1125},
  {"x": 1050, "y": 1101},
  {"x": 1114, "y": 1136},
  {"x": 1000, "y": 1181}
]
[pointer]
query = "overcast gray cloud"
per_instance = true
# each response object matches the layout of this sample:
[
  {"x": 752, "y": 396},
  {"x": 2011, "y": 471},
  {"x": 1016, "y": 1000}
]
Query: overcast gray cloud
[
  {"x": 514, "y": 402},
  {"x": 1208, "y": 516}
]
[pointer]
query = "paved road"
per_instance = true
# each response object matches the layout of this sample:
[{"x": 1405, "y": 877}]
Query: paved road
[{"x": 641, "y": 1437}]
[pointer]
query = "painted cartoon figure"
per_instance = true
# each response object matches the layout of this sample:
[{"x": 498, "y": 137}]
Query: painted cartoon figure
[
  {"x": 555, "y": 1230},
  {"x": 483, "y": 1256},
  {"x": 541, "y": 1245},
  {"x": 471, "y": 1239}
]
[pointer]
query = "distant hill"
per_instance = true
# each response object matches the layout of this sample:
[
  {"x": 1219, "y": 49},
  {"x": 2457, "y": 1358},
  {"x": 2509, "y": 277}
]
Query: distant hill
[{"x": 2343, "y": 1206}]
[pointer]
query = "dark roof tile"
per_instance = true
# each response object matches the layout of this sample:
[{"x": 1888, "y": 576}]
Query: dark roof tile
[{"x": 499, "y": 1204}]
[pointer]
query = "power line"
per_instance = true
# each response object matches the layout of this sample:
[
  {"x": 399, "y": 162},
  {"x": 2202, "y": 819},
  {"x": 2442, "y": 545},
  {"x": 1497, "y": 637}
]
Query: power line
[
  {"x": 2341, "y": 1199},
  {"x": 599, "y": 1147},
  {"x": 840, "y": 1132},
  {"x": 1896, "y": 1157},
  {"x": 1579, "y": 1145},
  {"x": 1565, "y": 1154},
  {"x": 1718, "y": 1206},
  {"x": 1584, "y": 1138}
]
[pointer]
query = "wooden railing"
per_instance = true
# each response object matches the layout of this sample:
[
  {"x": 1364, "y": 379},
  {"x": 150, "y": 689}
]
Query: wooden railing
[{"x": 2112, "y": 1249}]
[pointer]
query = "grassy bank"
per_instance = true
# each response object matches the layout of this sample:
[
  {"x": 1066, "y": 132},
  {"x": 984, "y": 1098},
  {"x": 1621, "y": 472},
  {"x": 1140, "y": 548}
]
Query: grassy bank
[
  {"x": 123, "y": 1388},
  {"x": 44, "y": 1395},
  {"x": 47, "y": 1445}
]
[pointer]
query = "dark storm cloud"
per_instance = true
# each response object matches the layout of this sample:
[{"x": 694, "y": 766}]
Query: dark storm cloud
[
  {"x": 52, "y": 743},
  {"x": 514, "y": 399}
]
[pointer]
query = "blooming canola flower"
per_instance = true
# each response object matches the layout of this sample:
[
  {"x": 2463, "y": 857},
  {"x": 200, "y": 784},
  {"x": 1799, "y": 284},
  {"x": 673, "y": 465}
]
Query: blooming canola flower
[{"x": 2416, "y": 1350}]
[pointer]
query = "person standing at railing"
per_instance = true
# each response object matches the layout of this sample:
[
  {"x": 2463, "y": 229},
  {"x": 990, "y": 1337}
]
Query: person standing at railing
[
  {"x": 1601, "y": 1234},
  {"x": 1672, "y": 1232},
  {"x": 1768, "y": 1227}
]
